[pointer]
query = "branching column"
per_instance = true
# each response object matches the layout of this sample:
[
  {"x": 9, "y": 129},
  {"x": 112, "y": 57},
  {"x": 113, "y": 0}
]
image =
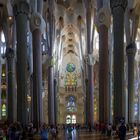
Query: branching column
[
  {"x": 11, "y": 85},
  {"x": 131, "y": 51},
  {"x": 10, "y": 69},
  {"x": 103, "y": 24},
  {"x": 0, "y": 80},
  {"x": 21, "y": 10},
  {"x": 86, "y": 105},
  {"x": 139, "y": 104},
  {"x": 131, "y": 32},
  {"x": 89, "y": 95},
  {"x": 55, "y": 99},
  {"x": 37, "y": 25},
  {"x": 118, "y": 9},
  {"x": 51, "y": 96}
]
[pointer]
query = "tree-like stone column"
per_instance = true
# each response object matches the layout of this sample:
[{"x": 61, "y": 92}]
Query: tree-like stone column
[
  {"x": 89, "y": 93},
  {"x": 103, "y": 23},
  {"x": 138, "y": 103},
  {"x": 0, "y": 80},
  {"x": 131, "y": 51},
  {"x": 10, "y": 69},
  {"x": 131, "y": 32},
  {"x": 86, "y": 104},
  {"x": 55, "y": 99},
  {"x": 51, "y": 96},
  {"x": 11, "y": 94},
  {"x": 118, "y": 8},
  {"x": 21, "y": 11},
  {"x": 37, "y": 25}
]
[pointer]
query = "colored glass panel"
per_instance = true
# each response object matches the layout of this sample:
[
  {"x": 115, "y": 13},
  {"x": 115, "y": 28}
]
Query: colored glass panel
[
  {"x": 3, "y": 110},
  {"x": 70, "y": 67}
]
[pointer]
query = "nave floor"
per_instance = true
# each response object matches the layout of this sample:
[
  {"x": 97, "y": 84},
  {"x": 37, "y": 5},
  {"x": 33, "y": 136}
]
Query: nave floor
[{"x": 83, "y": 135}]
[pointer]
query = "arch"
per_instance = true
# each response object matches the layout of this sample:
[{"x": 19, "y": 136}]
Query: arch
[
  {"x": 68, "y": 119},
  {"x": 73, "y": 119}
]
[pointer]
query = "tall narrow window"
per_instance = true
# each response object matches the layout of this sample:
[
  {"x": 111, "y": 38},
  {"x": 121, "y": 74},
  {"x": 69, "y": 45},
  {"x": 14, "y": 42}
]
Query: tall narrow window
[
  {"x": 3, "y": 43},
  {"x": 73, "y": 119},
  {"x": 3, "y": 113}
]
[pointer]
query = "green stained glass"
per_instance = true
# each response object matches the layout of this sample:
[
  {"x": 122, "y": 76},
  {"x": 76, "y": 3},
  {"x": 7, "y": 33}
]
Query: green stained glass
[
  {"x": 70, "y": 80},
  {"x": 70, "y": 67}
]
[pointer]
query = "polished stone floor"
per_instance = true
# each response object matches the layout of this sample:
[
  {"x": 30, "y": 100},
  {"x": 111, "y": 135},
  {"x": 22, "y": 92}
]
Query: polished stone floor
[{"x": 83, "y": 135}]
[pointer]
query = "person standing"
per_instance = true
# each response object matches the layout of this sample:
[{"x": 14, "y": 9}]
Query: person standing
[
  {"x": 109, "y": 130},
  {"x": 122, "y": 131}
]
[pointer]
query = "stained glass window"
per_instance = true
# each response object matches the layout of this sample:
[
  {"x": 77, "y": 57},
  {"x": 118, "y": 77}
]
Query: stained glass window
[
  {"x": 70, "y": 67},
  {"x": 71, "y": 105},
  {"x": 3, "y": 43},
  {"x": 4, "y": 110},
  {"x": 70, "y": 80},
  {"x": 73, "y": 119},
  {"x": 68, "y": 119},
  {"x": 2, "y": 37}
]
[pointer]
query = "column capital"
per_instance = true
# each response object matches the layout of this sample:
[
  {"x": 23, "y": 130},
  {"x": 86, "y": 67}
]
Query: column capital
[
  {"x": 51, "y": 61},
  {"x": 118, "y": 3},
  {"x": 9, "y": 53},
  {"x": 21, "y": 7},
  {"x": 37, "y": 22},
  {"x": 89, "y": 59},
  {"x": 103, "y": 17},
  {"x": 131, "y": 49}
]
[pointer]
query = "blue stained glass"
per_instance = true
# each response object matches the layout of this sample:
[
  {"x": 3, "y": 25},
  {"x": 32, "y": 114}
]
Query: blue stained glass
[{"x": 70, "y": 67}]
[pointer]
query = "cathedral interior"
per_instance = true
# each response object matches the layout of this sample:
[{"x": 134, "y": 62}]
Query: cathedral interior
[{"x": 69, "y": 61}]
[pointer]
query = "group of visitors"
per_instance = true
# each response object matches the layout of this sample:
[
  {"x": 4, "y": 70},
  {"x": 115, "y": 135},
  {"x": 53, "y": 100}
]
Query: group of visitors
[
  {"x": 109, "y": 130},
  {"x": 72, "y": 132},
  {"x": 119, "y": 130},
  {"x": 16, "y": 131}
]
